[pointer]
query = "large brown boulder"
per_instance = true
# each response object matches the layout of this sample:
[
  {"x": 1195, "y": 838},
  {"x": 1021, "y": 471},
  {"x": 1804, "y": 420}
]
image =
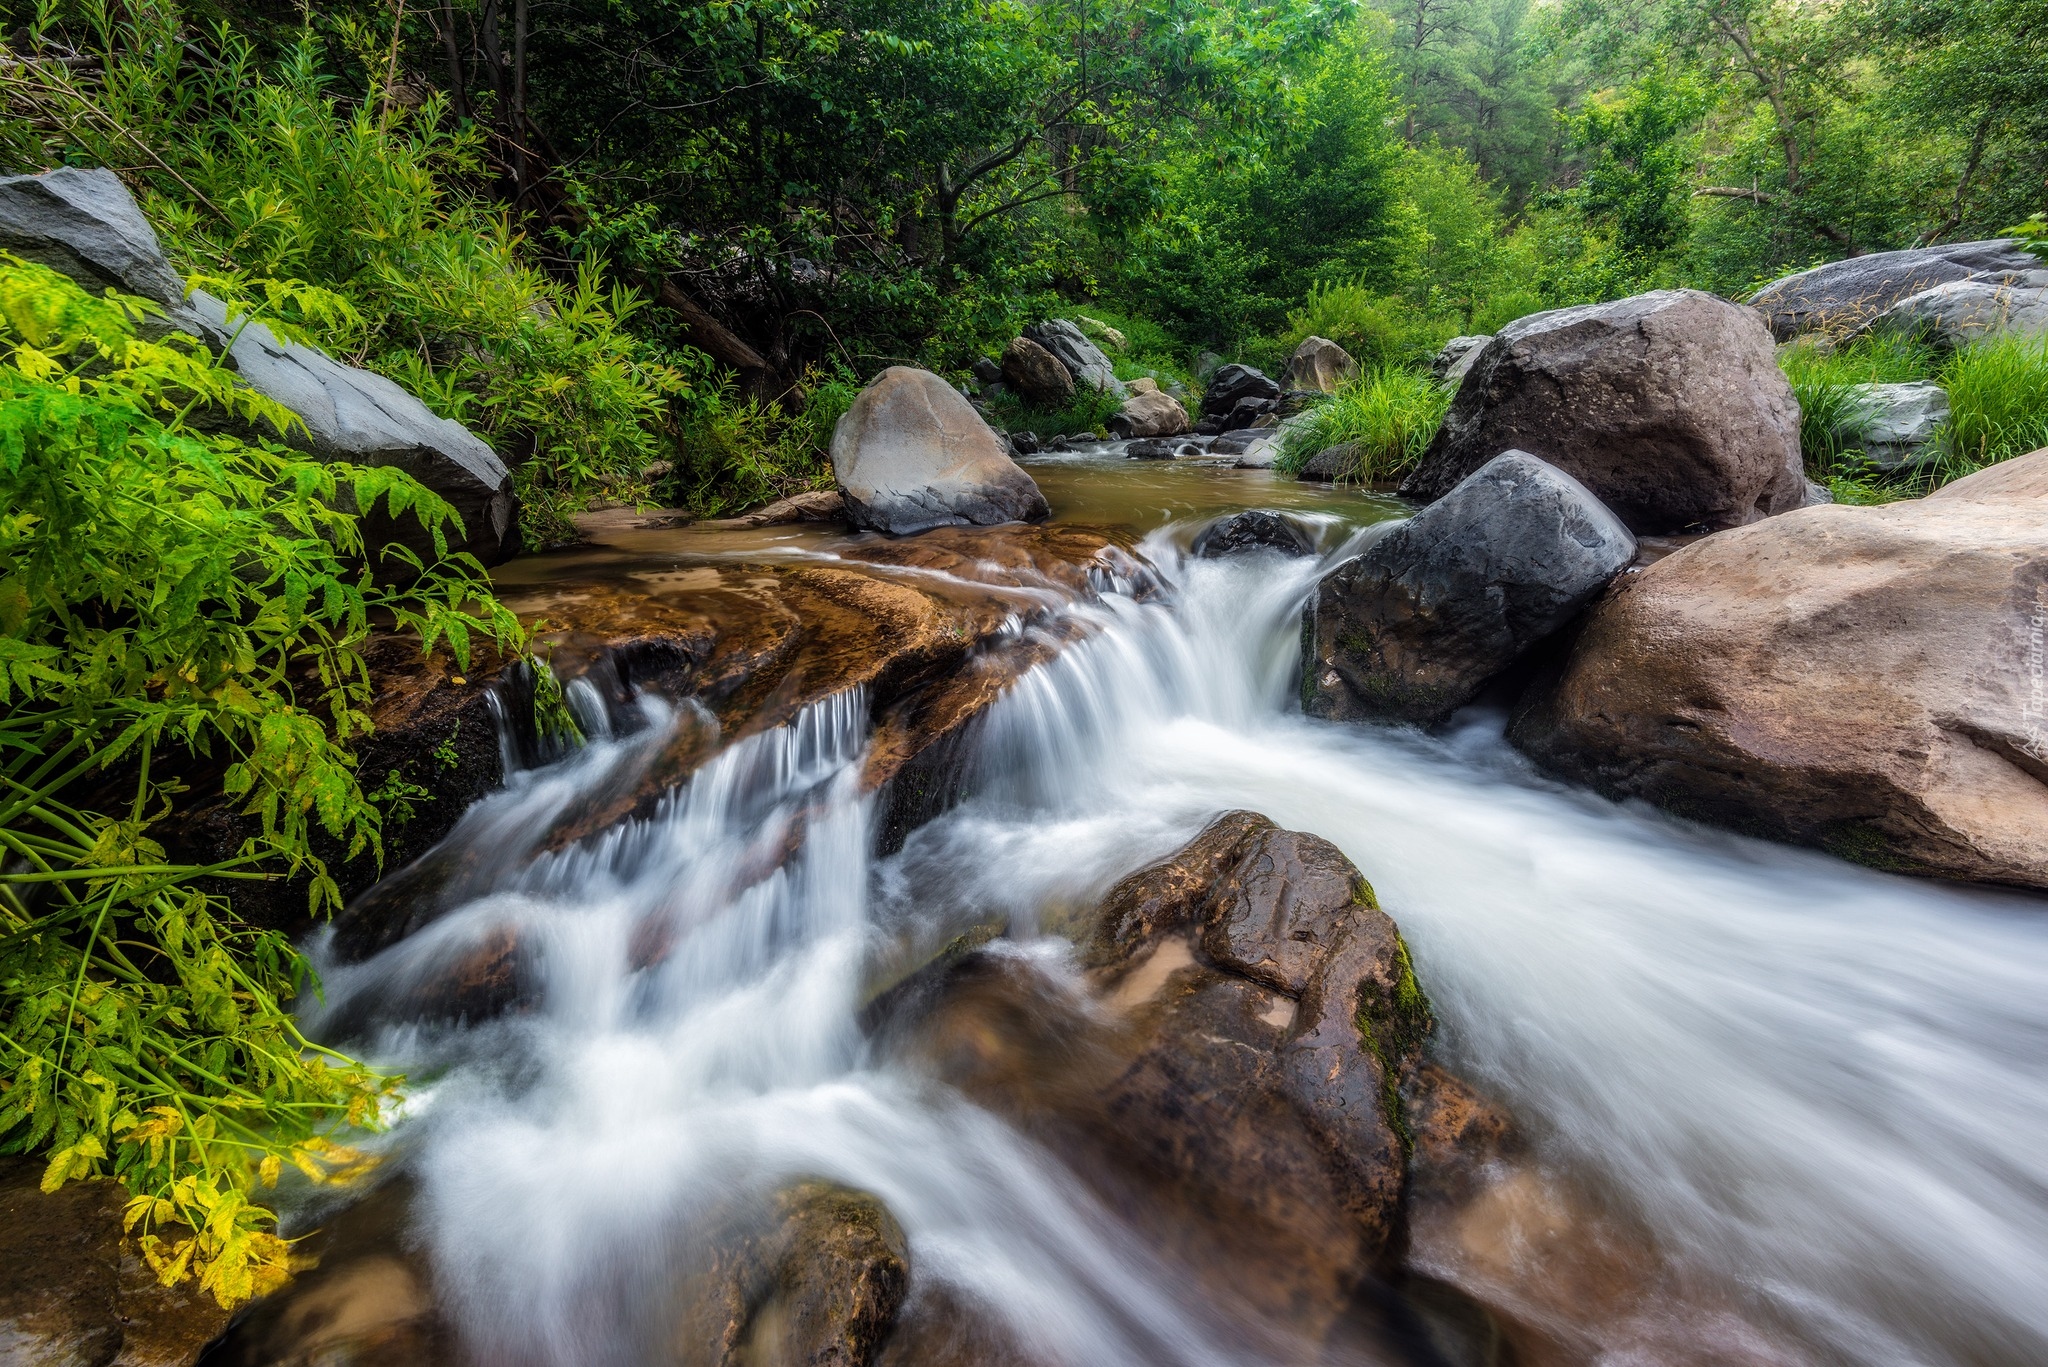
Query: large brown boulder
[
  {"x": 911, "y": 455},
  {"x": 1669, "y": 406},
  {"x": 1154, "y": 413},
  {"x": 1277, "y": 1015},
  {"x": 1868, "y": 680},
  {"x": 1036, "y": 374}
]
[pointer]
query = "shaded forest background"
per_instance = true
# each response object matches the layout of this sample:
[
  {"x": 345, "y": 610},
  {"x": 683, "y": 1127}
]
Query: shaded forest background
[{"x": 649, "y": 247}]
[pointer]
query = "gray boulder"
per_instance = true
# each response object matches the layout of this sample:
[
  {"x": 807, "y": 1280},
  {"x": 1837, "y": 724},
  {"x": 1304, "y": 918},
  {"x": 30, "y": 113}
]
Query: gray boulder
[
  {"x": 1318, "y": 364},
  {"x": 85, "y": 224},
  {"x": 1896, "y": 424},
  {"x": 1669, "y": 406},
  {"x": 1082, "y": 358},
  {"x": 1332, "y": 463},
  {"x": 1842, "y": 295},
  {"x": 1151, "y": 414},
  {"x": 1454, "y": 359},
  {"x": 1965, "y": 311},
  {"x": 1255, "y": 529},
  {"x": 1414, "y": 627},
  {"x": 986, "y": 371},
  {"x": 363, "y": 418},
  {"x": 1036, "y": 374},
  {"x": 910, "y": 455}
]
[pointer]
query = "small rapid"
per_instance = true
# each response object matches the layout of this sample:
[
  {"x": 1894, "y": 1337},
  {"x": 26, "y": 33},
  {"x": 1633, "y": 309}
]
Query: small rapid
[{"x": 1821, "y": 1090}]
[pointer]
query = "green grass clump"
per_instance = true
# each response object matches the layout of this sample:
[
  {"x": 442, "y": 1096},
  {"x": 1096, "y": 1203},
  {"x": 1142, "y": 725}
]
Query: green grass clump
[
  {"x": 1089, "y": 412},
  {"x": 1998, "y": 402},
  {"x": 1824, "y": 380},
  {"x": 1389, "y": 411}
]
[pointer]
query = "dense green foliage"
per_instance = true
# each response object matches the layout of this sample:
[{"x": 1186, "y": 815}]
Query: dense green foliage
[{"x": 182, "y": 608}]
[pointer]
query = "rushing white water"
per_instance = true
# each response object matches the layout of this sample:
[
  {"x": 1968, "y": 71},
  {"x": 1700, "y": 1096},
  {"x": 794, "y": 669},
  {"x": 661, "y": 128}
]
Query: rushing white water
[{"x": 1823, "y": 1088}]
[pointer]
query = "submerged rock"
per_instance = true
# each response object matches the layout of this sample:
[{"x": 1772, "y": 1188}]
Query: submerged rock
[
  {"x": 1036, "y": 374},
  {"x": 1669, "y": 406},
  {"x": 1318, "y": 364},
  {"x": 1840, "y": 296},
  {"x": 1867, "y": 680},
  {"x": 85, "y": 224},
  {"x": 911, "y": 455},
  {"x": 1416, "y": 625},
  {"x": 819, "y": 1286},
  {"x": 1255, "y": 529}
]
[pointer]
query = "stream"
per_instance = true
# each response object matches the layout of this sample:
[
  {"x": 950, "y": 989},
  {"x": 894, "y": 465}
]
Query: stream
[{"x": 1780, "y": 1109}]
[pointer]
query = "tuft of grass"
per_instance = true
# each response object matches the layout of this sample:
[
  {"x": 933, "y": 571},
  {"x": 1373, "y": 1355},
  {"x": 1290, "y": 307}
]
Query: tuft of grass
[
  {"x": 1998, "y": 402},
  {"x": 1824, "y": 380},
  {"x": 1389, "y": 411}
]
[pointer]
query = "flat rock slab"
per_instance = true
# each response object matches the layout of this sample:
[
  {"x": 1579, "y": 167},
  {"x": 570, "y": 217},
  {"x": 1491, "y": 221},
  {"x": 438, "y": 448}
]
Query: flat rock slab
[{"x": 1841, "y": 296}]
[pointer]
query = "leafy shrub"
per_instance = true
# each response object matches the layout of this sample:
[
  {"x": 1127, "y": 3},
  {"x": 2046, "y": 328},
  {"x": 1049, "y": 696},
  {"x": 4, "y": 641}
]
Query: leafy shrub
[
  {"x": 1389, "y": 412},
  {"x": 1498, "y": 310},
  {"x": 738, "y": 452},
  {"x": 1998, "y": 401},
  {"x": 263, "y": 173},
  {"x": 1375, "y": 329},
  {"x": 178, "y": 603}
]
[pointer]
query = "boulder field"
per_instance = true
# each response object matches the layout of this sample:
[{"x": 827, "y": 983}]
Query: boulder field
[{"x": 1866, "y": 680}]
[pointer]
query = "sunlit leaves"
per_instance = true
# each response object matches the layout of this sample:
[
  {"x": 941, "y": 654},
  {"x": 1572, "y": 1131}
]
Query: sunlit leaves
[{"x": 177, "y": 598}]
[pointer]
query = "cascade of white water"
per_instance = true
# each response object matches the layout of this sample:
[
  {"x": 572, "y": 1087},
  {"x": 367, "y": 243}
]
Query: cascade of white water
[{"x": 1822, "y": 1086}]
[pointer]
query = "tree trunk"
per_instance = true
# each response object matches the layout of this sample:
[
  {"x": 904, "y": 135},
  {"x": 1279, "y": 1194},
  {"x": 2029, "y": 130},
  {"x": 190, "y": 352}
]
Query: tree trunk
[{"x": 458, "y": 94}]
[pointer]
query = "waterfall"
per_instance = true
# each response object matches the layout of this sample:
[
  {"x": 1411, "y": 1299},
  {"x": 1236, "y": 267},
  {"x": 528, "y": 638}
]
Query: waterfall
[{"x": 1824, "y": 1089}]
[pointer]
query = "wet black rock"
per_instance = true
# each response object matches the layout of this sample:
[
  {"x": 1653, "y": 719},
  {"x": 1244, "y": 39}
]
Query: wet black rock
[
  {"x": 1152, "y": 449},
  {"x": 1255, "y": 529},
  {"x": 1233, "y": 383},
  {"x": 986, "y": 369},
  {"x": 1024, "y": 443},
  {"x": 1249, "y": 413},
  {"x": 1332, "y": 463},
  {"x": 1417, "y": 624}
]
